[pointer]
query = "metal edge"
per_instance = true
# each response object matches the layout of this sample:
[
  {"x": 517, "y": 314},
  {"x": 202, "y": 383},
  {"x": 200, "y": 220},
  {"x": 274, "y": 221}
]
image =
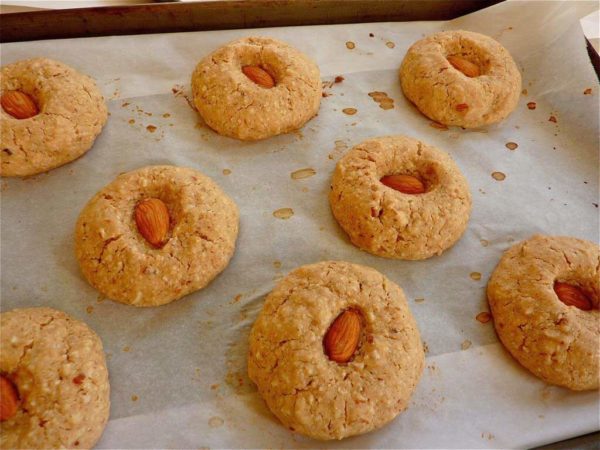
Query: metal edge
[{"x": 221, "y": 15}]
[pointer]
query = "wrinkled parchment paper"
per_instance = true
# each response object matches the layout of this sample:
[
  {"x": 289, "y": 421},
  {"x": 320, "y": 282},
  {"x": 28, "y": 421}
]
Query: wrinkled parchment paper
[{"x": 178, "y": 372}]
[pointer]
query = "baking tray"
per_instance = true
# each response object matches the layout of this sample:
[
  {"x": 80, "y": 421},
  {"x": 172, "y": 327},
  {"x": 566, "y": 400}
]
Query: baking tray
[
  {"x": 153, "y": 18},
  {"x": 223, "y": 15}
]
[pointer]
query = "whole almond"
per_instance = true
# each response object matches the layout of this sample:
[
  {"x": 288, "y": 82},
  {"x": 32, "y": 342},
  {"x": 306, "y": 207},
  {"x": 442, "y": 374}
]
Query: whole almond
[
  {"x": 572, "y": 296},
  {"x": 18, "y": 104},
  {"x": 465, "y": 66},
  {"x": 9, "y": 399},
  {"x": 407, "y": 184},
  {"x": 259, "y": 75},
  {"x": 152, "y": 220},
  {"x": 341, "y": 340}
]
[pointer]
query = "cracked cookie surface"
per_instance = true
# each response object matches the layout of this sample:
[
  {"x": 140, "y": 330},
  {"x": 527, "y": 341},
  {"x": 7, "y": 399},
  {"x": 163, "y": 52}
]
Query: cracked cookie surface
[
  {"x": 57, "y": 364},
  {"x": 314, "y": 395},
  {"x": 556, "y": 342},
  {"x": 234, "y": 106},
  {"x": 72, "y": 113},
  {"x": 445, "y": 94},
  {"x": 118, "y": 261},
  {"x": 389, "y": 223}
]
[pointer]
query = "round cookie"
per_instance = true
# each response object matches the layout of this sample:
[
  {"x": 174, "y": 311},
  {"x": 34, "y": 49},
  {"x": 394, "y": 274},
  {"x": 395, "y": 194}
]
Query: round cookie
[
  {"x": 57, "y": 366},
  {"x": 233, "y": 105},
  {"x": 288, "y": 360},
  {"x": 556, "y": 341},
  {"x": 122, "y": 264},
  {"x": 481, "y": 86},
  {"x": 71, "y": 114},
  {"x": 386, "y": 222}
]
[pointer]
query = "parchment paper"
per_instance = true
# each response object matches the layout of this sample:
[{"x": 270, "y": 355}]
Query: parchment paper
[{"x": 178, "y": 372}]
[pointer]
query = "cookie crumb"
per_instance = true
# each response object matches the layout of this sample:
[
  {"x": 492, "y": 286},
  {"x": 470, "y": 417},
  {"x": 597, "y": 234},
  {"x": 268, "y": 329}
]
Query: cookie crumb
[
  {"x": 277, "y": 264},
  {"x": 151, "y": 128},
  {"x": 531, "y": 105},
  {"x": 350, "y": 111},
  {"x": 483, "y": 317},
  {"x": 124, "y": 105},
  {"x": 371, "y": 35},
  {"x": 350, "y": 45},
  {"x": 438, "y": 126},
  {"x": 552, "y": 119},
  {"x": 131, "y": 121},
  {"x": 498, "y": 176},
  {"x": 215, "y": 422},
  {"x": 588, "y": 91},
  {"x": 419, "y": 300},
  {"x": 475, "y": 276},
  {"x": 465, "y": 344},
  {"x": 390, "y": 44},
  {"x": 134, "y": 398},
  {"x": 283, "y": 213},
  {"x": 338, "y": 79},
  {"x": 512, "y": 145},
  {"x": 303, "y": 173},
  {"x": 226, "y": 171}
]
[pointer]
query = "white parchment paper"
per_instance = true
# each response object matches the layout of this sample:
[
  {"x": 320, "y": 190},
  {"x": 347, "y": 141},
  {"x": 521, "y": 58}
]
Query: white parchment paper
[{"x": 178, "y": 372}]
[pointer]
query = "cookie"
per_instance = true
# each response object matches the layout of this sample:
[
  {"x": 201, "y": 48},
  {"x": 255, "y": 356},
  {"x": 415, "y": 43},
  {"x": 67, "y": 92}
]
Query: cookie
[
  {"x": 54, "y": 374},
  {"x": 461, "y": 78},
  {"x": 544, "y": 298},
  {"x": 62, "y": 111},
  {"x": 400, "y": 198},
  {"x": 335, "y": 351},
  {"x": 116, "y": 239},
  {"x": 255, "y": 88}
]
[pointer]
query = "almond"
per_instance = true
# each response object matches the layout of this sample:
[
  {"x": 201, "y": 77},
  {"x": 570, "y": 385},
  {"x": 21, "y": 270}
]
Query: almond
[
  {"x": 407, "y": 184},
  {"x": 152, "y": 220},
  {"x": 341, "y": 340},
  {"x": 572, "y": 296},
  {"x": 259, "y": 75},
  {"x": 18, "y": 104},
  {"x": 466, "y": 67},
  {"x": 9, "y": 399}
]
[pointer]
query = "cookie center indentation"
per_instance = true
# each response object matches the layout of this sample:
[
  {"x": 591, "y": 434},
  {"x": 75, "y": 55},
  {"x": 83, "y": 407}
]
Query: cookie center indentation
[
  {"x": 342, "y": 337},
  {"x": 9, "y": 398},
  {"x": 153, "y": 221},
  {"x": 572, "y": 295},
  {"x": 407, "y": 184},
  {"x": 259, "y": 75},
  {"x": 19, "y": 105},
  {"x": 465, "y": 66}
]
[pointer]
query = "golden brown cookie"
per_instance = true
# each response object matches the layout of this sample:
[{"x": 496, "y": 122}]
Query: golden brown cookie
[
  {"x": 400, "y": 198},
  {"x": 544, "y": 298},
  {"x": 156, "y": 234},
  {"x": 256, "y": 87},
  {"x": 335, "y": 351},
  {"x": 461, "y": 78},
  {"x": 54, "y": 372},
  {"x": 50, "y": 115}
]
